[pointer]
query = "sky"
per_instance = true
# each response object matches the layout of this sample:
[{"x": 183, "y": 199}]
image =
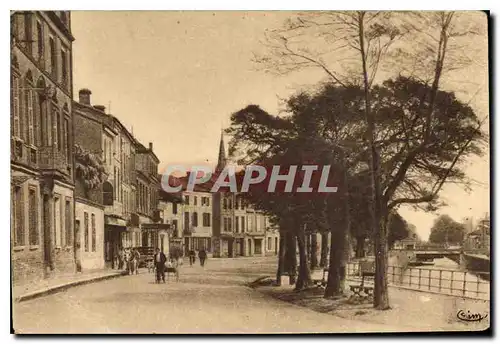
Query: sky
[{"x": 174, "y": 78}]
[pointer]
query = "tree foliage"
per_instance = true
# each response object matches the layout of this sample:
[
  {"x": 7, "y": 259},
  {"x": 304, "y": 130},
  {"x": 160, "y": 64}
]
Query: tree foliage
[
  {"x": 89, "y": 168},
  {"x": 445, "y": 230}
]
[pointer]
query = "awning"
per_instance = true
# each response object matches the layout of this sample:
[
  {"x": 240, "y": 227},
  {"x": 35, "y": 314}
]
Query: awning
[
  {"x": 156, "y": 226},
  {"x": 115, "y": 221}
]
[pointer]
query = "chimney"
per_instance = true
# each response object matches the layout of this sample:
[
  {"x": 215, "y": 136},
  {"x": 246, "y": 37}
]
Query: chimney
[
  {"x": 101, "y": 108},
  {"x": 151, "y": 146},
  {"x": 84, "y": 96}
]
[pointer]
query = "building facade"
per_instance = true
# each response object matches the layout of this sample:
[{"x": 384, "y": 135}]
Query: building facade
[
  {"x": 42, "y": 168},
  {"x": 89, "y": 208},
  {"x": 171, "y": 210},
  {"x": 154, "y": 233},
  {"x": 197, "y": 219},
  {"x": 240, "y": 230}
]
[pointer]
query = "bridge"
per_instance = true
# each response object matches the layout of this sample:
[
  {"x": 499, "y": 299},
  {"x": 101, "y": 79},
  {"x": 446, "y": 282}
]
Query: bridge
[{"x": 474, "y": 260}]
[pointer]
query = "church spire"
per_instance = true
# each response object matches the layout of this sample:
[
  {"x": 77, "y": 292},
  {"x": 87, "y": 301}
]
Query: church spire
[{"x": 221, "y": 162}]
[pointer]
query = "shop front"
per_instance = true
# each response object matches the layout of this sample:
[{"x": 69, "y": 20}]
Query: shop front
[{"x": 114, "y": 231}]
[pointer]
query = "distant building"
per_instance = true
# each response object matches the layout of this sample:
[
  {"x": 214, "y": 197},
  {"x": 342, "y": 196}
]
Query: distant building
[
  {"x": 171, "y": 210},
  {"x": 240, "y": 230}
]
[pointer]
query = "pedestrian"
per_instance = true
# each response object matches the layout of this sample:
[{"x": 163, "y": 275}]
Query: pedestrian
[
  {"x": 192, "y": 257},
  {"x": 120, "y": 258},
  {"x": 136, "y": 256},
  {"x": 160, "y": 260},
  {"x": 203, "y": 256}
]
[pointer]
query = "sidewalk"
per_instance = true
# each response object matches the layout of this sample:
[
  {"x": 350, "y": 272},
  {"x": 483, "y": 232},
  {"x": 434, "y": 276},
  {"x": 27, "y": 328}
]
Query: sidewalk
[
  {"x": 421, "y": 310},
  {"x": 61, "y": 282}
]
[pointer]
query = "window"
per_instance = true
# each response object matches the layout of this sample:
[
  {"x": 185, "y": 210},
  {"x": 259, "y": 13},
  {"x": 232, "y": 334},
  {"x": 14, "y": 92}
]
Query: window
[
  {"x": 236, "y": 224},
  {"x": 67, "y": 222},
  {"x": 64, "y": 67},
  {"x": 230, "y": 204},
  {"x": 174, "y": 208},
  {"x": 225, "y": 224},
  {"x": 57, "y": 221},
  {"x": 229, "y": 223},
  {"x": 195, "y": 219},
  {"x": 66, "y": 140},
  {"x": 94, "y": 239},
  {"x": 29, "y": 94},
  {"x": 53, "y": 57},
  {"x": 243, "y": 224},
  {"x": 86, "y": 231},
  {"x": 28, "y": 32},
  {"x": 236, "y": 201},
  {"x": 206, "y": 219},
  {"x": 39, "y": 39},
  {"x": 224, "y": 204},
  {"x": 195, "y": 201},
  {"x": 19, "y": 239},
  {"x": 186, "y": 200},
  {"x": 55, "y": 125},
  {"x": 115, "y": 183},
  {"x": 33, "y": 217},
  {"x": 186, "y": 220},
  {"x": 269, "y": 244},
  {"x": 15, "y": 107},
  {"x": 175, "y": 228}
]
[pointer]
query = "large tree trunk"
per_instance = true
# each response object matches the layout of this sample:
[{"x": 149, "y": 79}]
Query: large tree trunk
[
  {"x": 381, "y": 293},
  {"x": 360, "y": 247},
  {"x": 381, "y": 296},
  {"x": 334, "y": 283},
  {"x": 314, "y": 251},
  {"x": 324, "y": 250},
  {"x": 281, "y": 259},
  {"x": 291, "y": 257},
  {"x": 304, "y": 279}
]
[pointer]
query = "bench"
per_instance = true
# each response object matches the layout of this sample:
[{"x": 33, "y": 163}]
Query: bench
[{"x": 367, "y": 269}]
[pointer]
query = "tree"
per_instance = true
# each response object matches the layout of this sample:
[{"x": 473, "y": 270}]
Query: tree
[
  {"x": 89, "y": 168},
  {"x": 398, "y": 228},
  {"x": 270, "y": 141},
  {"x": 363, "y": 39},
  {"x": 445, "y": 230}
]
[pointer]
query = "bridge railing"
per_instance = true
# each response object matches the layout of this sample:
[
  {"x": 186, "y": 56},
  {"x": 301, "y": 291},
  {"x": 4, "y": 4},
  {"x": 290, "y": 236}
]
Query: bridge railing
[{"x": 443, "y": 281}]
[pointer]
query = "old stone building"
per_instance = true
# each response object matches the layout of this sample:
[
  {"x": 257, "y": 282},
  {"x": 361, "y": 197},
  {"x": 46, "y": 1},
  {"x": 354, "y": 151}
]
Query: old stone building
[{"x": 42, "y": 173}]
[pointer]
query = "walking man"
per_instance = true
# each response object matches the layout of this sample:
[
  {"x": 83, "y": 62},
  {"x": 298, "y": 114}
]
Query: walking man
[
  {"x": 203, "y": 256},
  {"x": 192, "y": 257},
  {"x": 160, "y": 260}
]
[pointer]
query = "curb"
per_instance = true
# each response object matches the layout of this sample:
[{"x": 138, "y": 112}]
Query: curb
[{"x": 61, "y": 287}]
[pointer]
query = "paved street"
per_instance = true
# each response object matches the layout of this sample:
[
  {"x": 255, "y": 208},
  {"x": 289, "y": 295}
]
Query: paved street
[{"x": 210, "y": 300}]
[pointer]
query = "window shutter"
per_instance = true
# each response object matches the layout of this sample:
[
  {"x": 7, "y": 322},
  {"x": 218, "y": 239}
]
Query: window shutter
[
  {"x": 16, "y": 106},
  {"x": 29, "y": 105}
]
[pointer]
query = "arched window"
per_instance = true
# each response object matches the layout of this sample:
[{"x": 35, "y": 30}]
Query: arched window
[{"x": 29, "y": 118}]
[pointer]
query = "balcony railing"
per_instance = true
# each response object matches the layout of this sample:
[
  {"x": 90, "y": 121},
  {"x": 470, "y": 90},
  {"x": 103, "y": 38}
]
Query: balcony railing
[
  {"x": 23, "y": 153},
  {"x": 51, "y": 158}
]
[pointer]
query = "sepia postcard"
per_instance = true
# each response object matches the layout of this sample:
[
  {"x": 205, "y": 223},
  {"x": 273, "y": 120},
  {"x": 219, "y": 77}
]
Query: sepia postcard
[{"x": 249, "y": 172}]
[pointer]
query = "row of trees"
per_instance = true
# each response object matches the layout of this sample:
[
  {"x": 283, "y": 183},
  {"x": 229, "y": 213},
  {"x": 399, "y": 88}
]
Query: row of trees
[{"x": 389, "y": 142}]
